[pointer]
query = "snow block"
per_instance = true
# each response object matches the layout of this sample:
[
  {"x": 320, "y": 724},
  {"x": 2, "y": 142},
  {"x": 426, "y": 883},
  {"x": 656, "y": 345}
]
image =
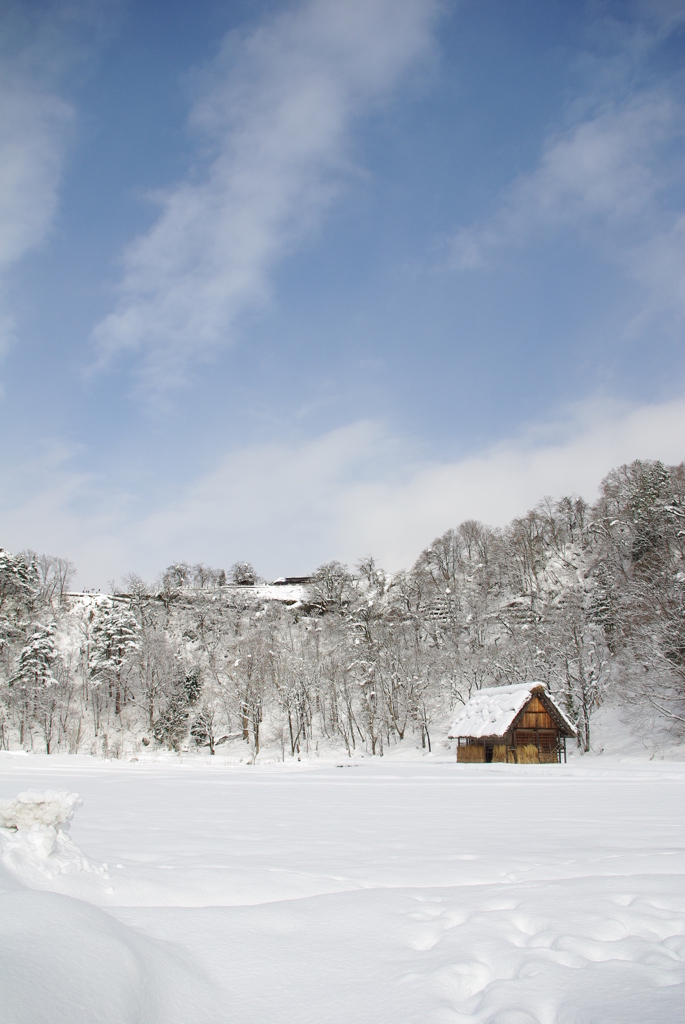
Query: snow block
[{"x": 33, "y": 809}]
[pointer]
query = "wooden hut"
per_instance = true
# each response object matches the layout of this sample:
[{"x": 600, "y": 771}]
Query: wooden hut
[{"x": 520, "y": 724}]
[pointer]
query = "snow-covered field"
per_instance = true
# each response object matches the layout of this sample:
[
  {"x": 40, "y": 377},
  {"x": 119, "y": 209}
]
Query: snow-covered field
[{"x": 384, "y": 891}]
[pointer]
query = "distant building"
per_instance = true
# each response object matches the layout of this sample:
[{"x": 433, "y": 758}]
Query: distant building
[
  {"x": 519, "y": 724},
  {"x": 284, "y": 581}
]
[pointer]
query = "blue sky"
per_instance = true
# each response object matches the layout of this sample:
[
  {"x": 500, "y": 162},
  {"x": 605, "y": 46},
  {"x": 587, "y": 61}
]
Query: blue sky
[{"x": 293, "y": 282}]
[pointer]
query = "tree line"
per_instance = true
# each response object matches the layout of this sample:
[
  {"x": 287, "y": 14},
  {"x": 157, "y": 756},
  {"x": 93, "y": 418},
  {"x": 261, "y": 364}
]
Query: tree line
[{"x": 588, "y": 598}]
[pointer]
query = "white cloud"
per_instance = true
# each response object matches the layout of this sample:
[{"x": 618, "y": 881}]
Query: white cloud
[
  {"x": 37, "y": 48},
  {"x": 608, "y": 176},
  {"x": 396, "y": 516},
  {"x": 606, "y": 172},
  {"x": 274, "y": 126},
  {"x": 290, "y": 506},
  {"x": 34, "y": 127},
  {"x": 604, "y": 167}
]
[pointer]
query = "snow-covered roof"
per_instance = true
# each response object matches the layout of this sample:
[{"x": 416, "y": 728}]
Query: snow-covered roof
[{"x": 491, "y": 712}]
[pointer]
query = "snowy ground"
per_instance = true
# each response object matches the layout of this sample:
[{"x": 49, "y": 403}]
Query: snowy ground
[{"x": 387, "y": 891}]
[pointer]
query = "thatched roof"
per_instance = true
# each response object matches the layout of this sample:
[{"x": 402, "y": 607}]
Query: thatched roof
[{"x": 492, "y": 711}]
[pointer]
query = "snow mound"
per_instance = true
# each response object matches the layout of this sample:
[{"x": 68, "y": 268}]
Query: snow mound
[
  {"x": 67, "y": 962},
  {"x": 33, "y": 839},
  {"x": 64, "y": 961},
  {"x": 52, "y": 808}
]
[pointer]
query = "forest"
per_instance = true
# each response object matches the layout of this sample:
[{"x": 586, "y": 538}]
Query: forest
[{"x": 589, "y": 599}]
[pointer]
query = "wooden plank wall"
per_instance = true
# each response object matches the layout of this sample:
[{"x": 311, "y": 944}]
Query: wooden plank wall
[{"x": 535, "y": 716}]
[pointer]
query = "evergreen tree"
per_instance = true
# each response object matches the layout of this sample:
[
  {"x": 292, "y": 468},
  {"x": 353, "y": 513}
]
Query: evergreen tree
[
  {"x": 32, "y": 678},
  {"x": 114, "y": 637}
]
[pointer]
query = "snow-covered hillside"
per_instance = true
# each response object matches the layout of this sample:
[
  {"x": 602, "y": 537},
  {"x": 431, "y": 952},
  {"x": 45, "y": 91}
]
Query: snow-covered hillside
[
  {"x": 590, "y": 601},
  {"x": 495, "y": 894}
]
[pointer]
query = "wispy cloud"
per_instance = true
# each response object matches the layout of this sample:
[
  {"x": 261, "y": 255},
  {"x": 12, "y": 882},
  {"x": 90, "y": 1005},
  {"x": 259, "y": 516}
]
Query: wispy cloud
[
  {"x": 290, "y": 506},
  {"x": 38, "y": 49},
  {"x": 34, "y": 128},
  {"x": 611, "y": 173},
  {"x": 274, "y": 137},
  {"x": 606, "y": 172},
  {"x": 32, "y": 139}
]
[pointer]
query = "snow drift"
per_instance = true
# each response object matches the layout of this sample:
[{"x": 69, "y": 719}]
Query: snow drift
[{"x": 64, "y": 961}]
